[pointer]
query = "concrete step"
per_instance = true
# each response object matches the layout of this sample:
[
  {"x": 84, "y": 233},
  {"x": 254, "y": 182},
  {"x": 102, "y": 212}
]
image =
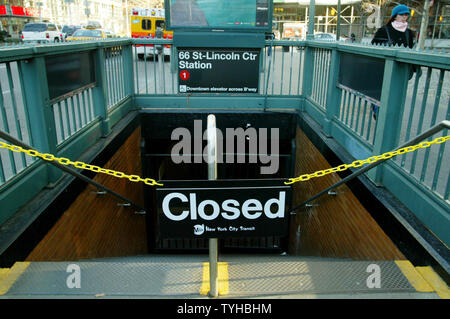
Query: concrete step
[{"x": 240, "y": 276}]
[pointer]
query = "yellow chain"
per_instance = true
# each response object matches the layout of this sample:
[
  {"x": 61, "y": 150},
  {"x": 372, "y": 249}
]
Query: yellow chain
[
  {"x": 370, "y": 160},
  {"x": 152, "y": 182},
  {"x": 77, "y": 164}
]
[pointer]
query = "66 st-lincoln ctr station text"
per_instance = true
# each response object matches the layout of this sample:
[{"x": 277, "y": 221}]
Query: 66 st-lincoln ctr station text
[
  {"x": 225, "y": 308},
  {"x": 199, "y": 57}
]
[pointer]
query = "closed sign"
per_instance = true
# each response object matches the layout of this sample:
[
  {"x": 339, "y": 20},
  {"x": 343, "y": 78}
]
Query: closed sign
[{"x": 221, "y": 209}]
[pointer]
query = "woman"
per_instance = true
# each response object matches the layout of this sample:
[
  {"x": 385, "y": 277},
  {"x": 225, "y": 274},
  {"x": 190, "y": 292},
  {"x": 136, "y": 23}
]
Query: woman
[{"x": 396, "y": 31}]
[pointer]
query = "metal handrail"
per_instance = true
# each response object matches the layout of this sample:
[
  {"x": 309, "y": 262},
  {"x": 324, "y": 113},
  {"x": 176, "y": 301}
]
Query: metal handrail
[
  {"x": 73, "y": 172},
  {"x": 435, "y": 129}
]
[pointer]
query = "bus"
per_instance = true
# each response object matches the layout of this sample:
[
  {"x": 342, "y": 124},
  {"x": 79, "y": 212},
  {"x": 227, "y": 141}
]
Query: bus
[{"x": 144, "y": 25}]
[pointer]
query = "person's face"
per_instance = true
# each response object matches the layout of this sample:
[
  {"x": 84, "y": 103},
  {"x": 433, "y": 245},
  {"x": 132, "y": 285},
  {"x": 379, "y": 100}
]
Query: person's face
[{"x": 402, "y": 17}]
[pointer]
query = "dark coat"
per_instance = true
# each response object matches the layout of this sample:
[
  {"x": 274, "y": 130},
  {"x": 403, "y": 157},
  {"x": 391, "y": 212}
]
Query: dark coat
[{"x": 387, "y": 35}]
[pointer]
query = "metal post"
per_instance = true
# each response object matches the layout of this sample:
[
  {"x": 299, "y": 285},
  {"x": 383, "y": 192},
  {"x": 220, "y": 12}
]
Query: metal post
[
  {"x": 424, "y": 25},
  {"x": 436, "y": 14},
  {"x": 312, "y": 6},
  {"x": 212, "y": 175},
  {"x": 338, "y": 22}
]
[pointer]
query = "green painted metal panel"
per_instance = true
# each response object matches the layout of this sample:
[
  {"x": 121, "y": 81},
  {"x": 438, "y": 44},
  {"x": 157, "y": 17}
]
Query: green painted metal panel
[
  {"x": 100, "y": 91},
  {"x": 119, "y": 111},
  {"x": 219, "y": 102},
  {"x": 432, "y": 211},
  {"x": 218, "y": 40},
  {"x": 22, "y": 188},
  {"x": 389, "y": 118},
  {"x": 77, "y": 144},
  {"x": 43, "y": 130},
  {"x": 333, "y": 93}
]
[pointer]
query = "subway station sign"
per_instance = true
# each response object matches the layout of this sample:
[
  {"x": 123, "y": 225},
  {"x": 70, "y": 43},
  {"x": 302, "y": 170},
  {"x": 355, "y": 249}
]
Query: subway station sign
[
  {"x": 222, "y": 209},
  {"x": 218, "y": 70}
]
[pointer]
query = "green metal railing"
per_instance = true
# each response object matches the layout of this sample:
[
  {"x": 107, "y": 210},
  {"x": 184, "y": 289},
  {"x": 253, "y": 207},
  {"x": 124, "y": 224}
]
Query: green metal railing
[{"x": 298, "y": 75}]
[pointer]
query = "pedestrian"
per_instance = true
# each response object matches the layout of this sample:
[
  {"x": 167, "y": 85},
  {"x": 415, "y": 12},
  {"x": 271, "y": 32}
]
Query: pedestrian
[{"x": 396, "y": 31}]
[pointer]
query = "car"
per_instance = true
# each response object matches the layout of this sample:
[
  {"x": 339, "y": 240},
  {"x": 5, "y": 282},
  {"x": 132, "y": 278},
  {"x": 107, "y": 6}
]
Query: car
[
  {"x": 325, "y": 36},
  {"x": 87, "y": 34},
  {"x": 41, "y": 32},
  {"x": 68, "y": 30},
  {"x": 109, "y": 34}
]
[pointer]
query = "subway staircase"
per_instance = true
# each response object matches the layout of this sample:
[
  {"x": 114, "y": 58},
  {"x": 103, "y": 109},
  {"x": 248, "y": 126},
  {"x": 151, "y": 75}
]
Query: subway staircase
[{"x": 240, "y": 276}]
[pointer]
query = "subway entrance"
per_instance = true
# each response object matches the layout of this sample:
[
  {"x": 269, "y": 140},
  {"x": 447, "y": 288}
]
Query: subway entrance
[{"x": 256, "y": 151}]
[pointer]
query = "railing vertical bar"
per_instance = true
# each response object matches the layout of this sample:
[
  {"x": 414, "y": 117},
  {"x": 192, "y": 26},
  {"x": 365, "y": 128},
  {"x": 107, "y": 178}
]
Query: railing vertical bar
[
  {"x": 282, "y": 70},
  {"x": 323, "y": 84},
  {"x": 91, "y": 103},
  {"x": 114, "y": 74},
  {"x": 352, "y": 116},
  {"x": 27, "y": 118},
  {"x": 411, "y": 115},
  {"x": 343, "y": 105},
  {"x": 317, "y": 74},
  {"x": 145, "y": 70},
  {"x": 364, "y": 119},
  {"x": 6, "y": 128},
  {"x": 265, "y": 70},
  {"x": 328, "y": 67},
  {"x": 317, "y": 57},
  {"x": 433, "y": 122},
  {"x": 314, "y": 75},
  {"x": 69, "y": 117},
  {"x": 85, "y": 106},
  {"x": 136, "y": 69},
  {"x": 272, "y": 71},
  {"x": 163, "y": 70},
  {"x": 290, "y": 68},
  {"x": 77, "y": 106},
  {"x": 109, "y": 96},
  {"x": 350, "y": 96},
  {"x": 14, "y": 108},
  {"x": 323, "y": 78},
  {"x": 154, "y": 68},
  {"x": 369, "y": 127},
  {"x": 122, "y": 72},
  {"x": 114, "y": 53},
  {"x": 61, "y": 121},
  {"x": 421, "y": 116},
  {"x": 300, "y": 71},
  {"x": 358, "y": 117},
  {"x": 173, "y": 75},
  {"x": 105, "y": 63}
]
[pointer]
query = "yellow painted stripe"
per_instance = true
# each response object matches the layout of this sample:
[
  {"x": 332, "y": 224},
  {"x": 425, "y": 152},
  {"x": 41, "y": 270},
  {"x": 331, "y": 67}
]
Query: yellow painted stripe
[
  {"x": 13, "y": 274},
  {"x": 3, "y": 272},
  {"x": 413, "y": 276},
  {"x": 435, "y": 281},
  {"x": 222, "y": 277}
]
